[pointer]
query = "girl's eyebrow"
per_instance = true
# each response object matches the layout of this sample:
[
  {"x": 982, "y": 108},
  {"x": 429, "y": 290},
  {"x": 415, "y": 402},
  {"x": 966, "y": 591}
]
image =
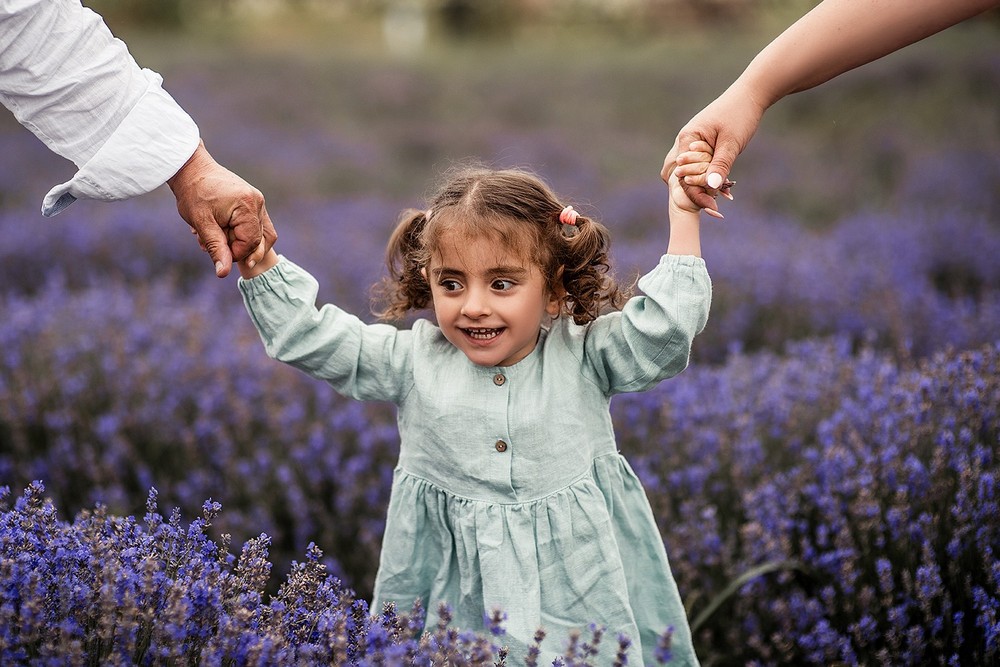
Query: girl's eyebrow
[
  {"x": 513, "y": 271},
  {"x": 445, "y": 271}
]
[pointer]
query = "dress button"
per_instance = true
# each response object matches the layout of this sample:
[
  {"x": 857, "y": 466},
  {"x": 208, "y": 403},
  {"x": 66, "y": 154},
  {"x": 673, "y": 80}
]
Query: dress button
[
  {"x": 499, "y": 379},
  {"x": 501, "y": 446}
]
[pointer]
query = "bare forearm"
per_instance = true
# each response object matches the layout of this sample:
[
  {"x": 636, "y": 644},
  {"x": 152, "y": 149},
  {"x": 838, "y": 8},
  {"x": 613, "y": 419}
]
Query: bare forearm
[
  {"x": 685, "y": 233},
  {"x": 839, "y": 35}
]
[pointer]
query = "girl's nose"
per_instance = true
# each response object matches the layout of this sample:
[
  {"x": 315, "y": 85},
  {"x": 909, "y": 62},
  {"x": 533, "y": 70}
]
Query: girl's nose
[{"x": 476, "y": 304}]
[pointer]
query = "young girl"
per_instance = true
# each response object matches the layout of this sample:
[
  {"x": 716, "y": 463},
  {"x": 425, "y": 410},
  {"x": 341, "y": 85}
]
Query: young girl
[{"x": 510, "y": 491}]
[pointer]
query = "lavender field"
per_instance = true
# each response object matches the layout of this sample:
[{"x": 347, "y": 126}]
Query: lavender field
[{"x": 826, "y": 474}]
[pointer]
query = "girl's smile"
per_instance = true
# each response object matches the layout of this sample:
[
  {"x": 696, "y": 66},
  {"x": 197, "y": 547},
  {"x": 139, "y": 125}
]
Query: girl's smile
[
  {"x": 483, "y": 335},
  {"x": 489, "y": 303}
]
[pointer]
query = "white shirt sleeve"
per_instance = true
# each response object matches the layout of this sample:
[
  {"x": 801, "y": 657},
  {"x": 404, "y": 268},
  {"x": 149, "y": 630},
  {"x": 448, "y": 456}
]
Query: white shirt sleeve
[{"x": 66, "y": 78}]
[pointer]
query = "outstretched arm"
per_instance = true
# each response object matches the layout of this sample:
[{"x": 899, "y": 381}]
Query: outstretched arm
[
  {"x": 839, "y": 35},
  {"x": 66, "y": 78},
  {"x": 836, "y": 36}
]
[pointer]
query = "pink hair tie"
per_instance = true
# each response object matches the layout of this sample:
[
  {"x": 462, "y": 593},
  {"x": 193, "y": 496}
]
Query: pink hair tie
[{"x": 568, "y": 216}]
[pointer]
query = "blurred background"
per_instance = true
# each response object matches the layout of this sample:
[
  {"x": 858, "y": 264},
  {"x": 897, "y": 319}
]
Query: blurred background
[
  {"x": 867, "y": 213},
  {"x": 601, "y": 84},
  {"x": 378, "y": 95}
]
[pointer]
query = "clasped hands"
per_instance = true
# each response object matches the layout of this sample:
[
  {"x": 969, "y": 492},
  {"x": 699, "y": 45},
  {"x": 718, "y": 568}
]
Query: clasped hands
[{"x": 226, "y": 213}]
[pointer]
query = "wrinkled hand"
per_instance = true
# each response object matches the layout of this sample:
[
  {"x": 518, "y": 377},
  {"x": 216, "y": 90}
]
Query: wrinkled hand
[
  {"x": 727, "y": 125},
  {"x": 225, "y": 212}
]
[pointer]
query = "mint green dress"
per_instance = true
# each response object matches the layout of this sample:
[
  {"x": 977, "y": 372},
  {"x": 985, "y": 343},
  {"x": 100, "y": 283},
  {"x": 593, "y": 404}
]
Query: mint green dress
[{"x": 510, "y": 491}]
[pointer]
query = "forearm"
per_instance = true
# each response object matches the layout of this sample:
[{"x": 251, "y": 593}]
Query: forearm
[
  {"x": 685, "y": 232},
  {"x": 839, "y": 35},
  {"x": 366, "y": 362},
  {"x": 65, "y": 76}
]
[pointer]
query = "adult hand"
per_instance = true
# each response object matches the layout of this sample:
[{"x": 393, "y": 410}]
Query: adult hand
[
  {"x": 727, "y": 125},
  {"x": 832, "y": 38},
  {"x": 224, "y": 211}
]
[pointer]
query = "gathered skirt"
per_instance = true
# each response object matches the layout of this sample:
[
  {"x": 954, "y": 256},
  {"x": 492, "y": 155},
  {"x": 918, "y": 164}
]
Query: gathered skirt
[{"x": 589, "y": 553}]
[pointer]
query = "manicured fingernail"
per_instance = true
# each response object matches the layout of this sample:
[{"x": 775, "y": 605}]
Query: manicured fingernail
[
  {"x": 218, "y": 267},
  {"x": 251, "y": 263},
  {"x": 715, "y": 214},
  {"x": 727, "y": 194},
  {"x": 714, "y": 180}
]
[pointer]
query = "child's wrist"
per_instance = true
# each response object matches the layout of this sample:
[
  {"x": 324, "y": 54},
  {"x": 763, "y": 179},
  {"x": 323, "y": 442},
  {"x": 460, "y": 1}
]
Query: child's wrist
[
  {"x": 676, "y": 210},
  {"x": 267, "y": 262},
  {"x": 685, "y": 231}
]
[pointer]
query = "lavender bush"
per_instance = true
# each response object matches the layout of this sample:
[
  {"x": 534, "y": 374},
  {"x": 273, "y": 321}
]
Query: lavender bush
[
  {"x": 146, "y": 393},
  {"x": 111, "y": 590},
  {"x": 871, "y": 487},
  {"x": 825, "y": 474}
]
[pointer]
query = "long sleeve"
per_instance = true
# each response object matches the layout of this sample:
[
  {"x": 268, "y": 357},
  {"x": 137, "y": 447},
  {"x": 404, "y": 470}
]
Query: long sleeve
[
  {"x": 363, "y": 361},
  {"x": 650, "y": 339},
  {"x": 66, "y": 78}
]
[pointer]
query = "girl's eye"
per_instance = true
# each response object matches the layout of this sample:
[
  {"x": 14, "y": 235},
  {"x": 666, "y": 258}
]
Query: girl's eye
[
  {"x": 450, "y": 285},
  {"x": 502, "y": 285}
]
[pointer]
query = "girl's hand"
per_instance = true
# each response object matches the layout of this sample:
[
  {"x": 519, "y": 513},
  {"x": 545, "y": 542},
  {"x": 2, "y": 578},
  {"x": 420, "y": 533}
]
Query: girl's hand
[
  {"x": 269, "y": 259},
  {"x": 692, "y": 171}
]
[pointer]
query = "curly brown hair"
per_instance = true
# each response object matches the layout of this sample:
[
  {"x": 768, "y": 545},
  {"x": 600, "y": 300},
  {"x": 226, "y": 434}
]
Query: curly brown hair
[{"x": 516, "y": 209}]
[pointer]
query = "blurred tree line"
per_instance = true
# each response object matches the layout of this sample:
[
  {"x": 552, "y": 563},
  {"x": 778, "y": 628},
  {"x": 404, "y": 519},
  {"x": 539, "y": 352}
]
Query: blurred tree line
[
  {"x": 460, "y": 19},
  {"x": 454, "y": 17}
]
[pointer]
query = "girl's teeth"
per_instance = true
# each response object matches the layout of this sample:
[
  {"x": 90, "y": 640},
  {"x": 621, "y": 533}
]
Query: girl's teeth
[{"x": 482, "y": 334}]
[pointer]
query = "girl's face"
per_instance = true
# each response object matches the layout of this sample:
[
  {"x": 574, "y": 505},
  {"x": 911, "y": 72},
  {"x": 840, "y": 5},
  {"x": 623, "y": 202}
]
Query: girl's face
[{"x": 489, "y": 303}]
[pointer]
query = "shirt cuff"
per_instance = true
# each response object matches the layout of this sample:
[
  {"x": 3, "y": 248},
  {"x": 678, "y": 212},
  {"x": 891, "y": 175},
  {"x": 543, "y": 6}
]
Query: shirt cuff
[{"x": 150, "y": 145}]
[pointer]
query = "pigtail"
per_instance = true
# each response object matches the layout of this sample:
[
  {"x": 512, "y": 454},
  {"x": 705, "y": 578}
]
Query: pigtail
[
  {"x": 589, "y": 285},
  {"x": 404, "y": 288}
]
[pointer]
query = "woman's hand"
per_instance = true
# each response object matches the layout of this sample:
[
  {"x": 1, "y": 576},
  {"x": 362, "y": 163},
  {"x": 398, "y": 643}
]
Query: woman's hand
[{"x": 725, "y": 126}]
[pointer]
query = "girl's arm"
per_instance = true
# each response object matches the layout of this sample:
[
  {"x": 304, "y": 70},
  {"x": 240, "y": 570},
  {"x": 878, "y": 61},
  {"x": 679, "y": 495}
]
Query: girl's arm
[
  {"x": 685, "y": 234},
  {"x": 363, "y": 361}
]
